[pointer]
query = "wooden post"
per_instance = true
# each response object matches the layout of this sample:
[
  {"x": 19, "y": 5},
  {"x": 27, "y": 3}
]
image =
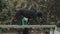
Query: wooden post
[{"x": 0, "y": 31}]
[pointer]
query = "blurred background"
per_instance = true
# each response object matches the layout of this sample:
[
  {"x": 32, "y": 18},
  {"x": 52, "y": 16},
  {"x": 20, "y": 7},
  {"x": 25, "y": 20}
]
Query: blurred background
[
  {"x": 31, "y": 31},
  {"x": 49, "y": 8}
]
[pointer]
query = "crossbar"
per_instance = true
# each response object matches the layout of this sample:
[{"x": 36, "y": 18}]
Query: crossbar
[{"x": 27, "y": 26}]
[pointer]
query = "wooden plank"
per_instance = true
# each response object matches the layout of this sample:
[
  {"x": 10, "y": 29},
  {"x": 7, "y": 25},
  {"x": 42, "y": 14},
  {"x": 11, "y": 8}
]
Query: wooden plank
[{"x": 27, "y": 26}]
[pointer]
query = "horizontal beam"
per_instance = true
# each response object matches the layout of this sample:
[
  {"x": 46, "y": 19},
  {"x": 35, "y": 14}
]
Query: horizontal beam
[{"x": 27, "y": 26}]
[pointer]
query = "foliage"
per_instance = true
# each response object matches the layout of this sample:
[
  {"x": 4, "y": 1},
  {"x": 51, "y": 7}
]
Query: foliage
[{"x": 8, "y": 9}]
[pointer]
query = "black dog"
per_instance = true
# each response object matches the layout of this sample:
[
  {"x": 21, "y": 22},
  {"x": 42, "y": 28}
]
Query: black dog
[{"x": 28, "y": 14}]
